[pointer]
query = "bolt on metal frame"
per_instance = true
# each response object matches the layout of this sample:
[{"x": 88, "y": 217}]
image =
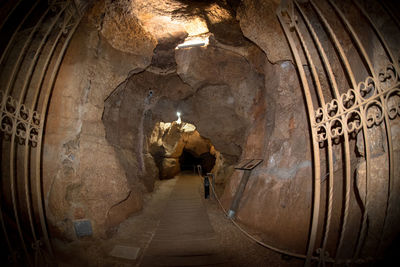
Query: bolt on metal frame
[
  {"x": 370, "y": 103},
  {"x": 23, "y": 111}
]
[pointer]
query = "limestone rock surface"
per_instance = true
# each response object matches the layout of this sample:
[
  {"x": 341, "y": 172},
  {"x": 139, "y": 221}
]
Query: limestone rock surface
[
  {"x": 169, "y": 168},
  {"x": 83, "y": 177},
  {"x": 259, "y": 23},
  {"x": 124, "y": 31}
]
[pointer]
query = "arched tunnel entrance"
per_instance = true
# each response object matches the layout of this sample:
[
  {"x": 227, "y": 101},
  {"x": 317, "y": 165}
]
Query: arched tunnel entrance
[
  {"x": 93, "y": 158},
  {"x": 178, "y": 147},
  {"x": 188, "y": 161}
]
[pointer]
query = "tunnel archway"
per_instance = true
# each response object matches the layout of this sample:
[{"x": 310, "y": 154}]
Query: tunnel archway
[
  {"x": 178, "y": 146},
  {"x": 111, "y": 84},
  {"x": 188, "y": 161}
]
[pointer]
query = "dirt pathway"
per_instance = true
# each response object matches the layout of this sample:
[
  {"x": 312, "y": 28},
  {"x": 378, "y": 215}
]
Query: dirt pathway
[
  {"x": 177, "y": 227},
  {"x": 184, "y": 236}
]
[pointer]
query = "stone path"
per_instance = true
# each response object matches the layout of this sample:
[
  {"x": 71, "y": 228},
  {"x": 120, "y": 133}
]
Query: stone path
[{"x": 184, "y": 236}]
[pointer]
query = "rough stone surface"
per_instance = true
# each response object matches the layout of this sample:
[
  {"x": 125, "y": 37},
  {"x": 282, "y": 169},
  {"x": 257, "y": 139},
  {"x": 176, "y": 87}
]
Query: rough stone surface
[
  {"x": 278, "y": 194},
  {"x": 146, "y": 98},
  {"x": 196, "y": 144},
  {"x": 122, "y": 75},
  {"x": 124, "y": 31},
  {"x": 259, "y": 23},
  {"x": 169, "y": 167},
  {"x": 76, "y": 185},
  {"x": 167, "y": 142},
  {"x": 121, "y": 211}
]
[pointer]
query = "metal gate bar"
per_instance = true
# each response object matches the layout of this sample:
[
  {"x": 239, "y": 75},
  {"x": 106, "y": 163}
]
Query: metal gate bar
[
  {"x": 28, "y": 116},
  {"x": 10, "y": 13},
  {"x": 348, "y": 113},
  {"x": 310, "y": 107},
  {"x": 330, "y": 153},
  {"x": 389, "y": 11},
  {"x": 388, "y": 129},
  {"x": 10, "y": 42},
  {"x": 16, "y": 112},
  {"x": 332, "y": 81},
  {"x": 341, "y": 108},
  {"x": 25, "y": 125}
]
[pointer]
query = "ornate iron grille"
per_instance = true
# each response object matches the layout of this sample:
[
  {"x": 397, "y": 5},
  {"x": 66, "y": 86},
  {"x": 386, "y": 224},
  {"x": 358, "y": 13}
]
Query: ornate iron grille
[
  {"x": 334, "y": 44},
  {"x": 29, "y": 64}
]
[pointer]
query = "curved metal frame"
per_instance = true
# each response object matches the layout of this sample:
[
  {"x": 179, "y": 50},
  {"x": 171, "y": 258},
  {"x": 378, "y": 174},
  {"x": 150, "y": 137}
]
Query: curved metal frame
[
  {"x": 22, "y": 119},
  {"x": 367, "y": 104},
  {"x": 371, "y": 102}
]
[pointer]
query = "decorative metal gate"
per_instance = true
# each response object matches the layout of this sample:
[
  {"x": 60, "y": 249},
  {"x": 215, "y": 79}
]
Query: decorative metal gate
[
  {"x": 338, "y": 45},
  {"x": 35, "y": 35}
]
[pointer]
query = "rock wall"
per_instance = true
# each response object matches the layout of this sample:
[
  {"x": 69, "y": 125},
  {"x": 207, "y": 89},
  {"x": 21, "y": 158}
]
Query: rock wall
[
  {"x": 100, "y": 173},
  {"x": 277, "y": 199},
  {"x": 221, "y": 105},
  {"x": 123, "y": 74},
  {"x": 168, "y": 141},
  {"x": 83, "y": 178}
]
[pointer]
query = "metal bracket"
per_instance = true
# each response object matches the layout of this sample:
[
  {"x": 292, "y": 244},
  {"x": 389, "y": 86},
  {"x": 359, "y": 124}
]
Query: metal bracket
[{"x": 247, "y": 165}]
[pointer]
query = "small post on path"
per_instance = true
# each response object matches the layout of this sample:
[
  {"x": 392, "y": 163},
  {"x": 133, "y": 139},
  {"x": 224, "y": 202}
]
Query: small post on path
[{"x": 212, "y": 177}]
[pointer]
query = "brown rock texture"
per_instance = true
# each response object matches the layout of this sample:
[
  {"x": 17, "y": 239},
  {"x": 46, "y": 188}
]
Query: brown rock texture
[
  {"x": 167, "y": 142},
  {"x": 113, "y": 105},
  {"x": 259, "y": 23},
  {"x": 124, "y": 31},
  {"x": 121, "y": 211},
  {"x": 83, "y": 177},
  {"x": 278, "y": 194},
  {"x": 111, "y": 130}
]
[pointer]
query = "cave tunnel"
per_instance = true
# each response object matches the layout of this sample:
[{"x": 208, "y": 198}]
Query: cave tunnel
[
  {"x": 188, "y": 161},
  {"x": 107, "y": 105},
  {"x": 178, "y": 146}
]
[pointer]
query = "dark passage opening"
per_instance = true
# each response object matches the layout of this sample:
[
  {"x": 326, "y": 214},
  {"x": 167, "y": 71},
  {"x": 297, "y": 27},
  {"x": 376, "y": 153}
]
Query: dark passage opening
[{"x": 187, "y": 160}]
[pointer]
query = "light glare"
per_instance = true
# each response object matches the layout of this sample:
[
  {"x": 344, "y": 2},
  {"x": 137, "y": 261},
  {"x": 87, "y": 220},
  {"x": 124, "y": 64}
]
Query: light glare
[{"x": 179, "y": 121}]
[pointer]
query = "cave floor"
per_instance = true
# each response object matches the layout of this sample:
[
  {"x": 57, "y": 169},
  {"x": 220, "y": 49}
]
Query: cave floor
[
  {"x": 184, "y": 235},
  {"x": 177, "y": 227}
]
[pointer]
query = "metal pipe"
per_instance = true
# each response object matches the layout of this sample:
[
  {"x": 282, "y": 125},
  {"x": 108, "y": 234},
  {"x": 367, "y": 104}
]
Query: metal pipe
[
  {"x": 378, "y": 33},
  {"x": 1, "y": 210},
  {"x": 321, "y": 51},
  {"x": 336, "y": 95},
  {"x": 212, "y": 181},
  {"x": 44, "y": 70}
]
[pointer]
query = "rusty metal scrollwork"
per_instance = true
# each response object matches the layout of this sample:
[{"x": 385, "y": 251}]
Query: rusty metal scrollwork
[
  {"x": 25, "y": 121},
  {"x": 349, "y": 115},
  {"x": 367, "y": 95}
]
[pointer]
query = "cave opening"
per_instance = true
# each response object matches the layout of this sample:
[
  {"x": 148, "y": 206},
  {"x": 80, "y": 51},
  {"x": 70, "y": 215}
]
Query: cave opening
[
  {"x": 178, "y": 146},
  {"x": 188, "y": 161}
]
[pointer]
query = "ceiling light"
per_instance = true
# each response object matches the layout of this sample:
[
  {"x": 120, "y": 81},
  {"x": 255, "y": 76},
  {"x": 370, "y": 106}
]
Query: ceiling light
[
  {"x": 179, "y": 121},
  {"x": 194, "y": 42}
]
